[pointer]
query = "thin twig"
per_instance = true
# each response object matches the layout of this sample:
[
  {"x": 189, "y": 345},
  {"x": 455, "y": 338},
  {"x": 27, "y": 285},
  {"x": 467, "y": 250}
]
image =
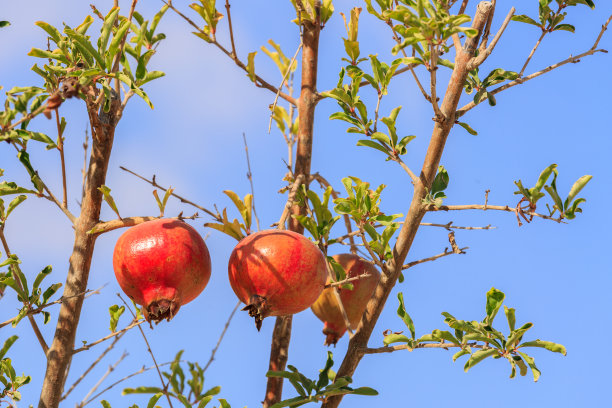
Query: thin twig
[
  {"x": 216, "y": 216},
  {"x": 347, "y": 280},
  {"x": 161, "y": 378},
  {"x": 433, "y": 67},
  {"x": 26, "y": 302},
  {"x": 489, "y": 207},
  {"x": 231, "y": 30},
  {"x": 142, "y": 370},
  {"x": 46, "y": 305},
  {"x": 280, "y": 87},
  {"x": 450, "y": 226},
  {"x": 110, "y": 336},
  {"x": 347, "y": 220},
  {"x": 404, "y": 166},
  {"x": 294, "y": 188},
  {"x": 250, "y": 176},
  {"x": 92, "y": 365},
  {"x": 533, "y": 50},
  {"x": 442, "y": 345},
  {"x": 60, "y": 147},
  {"x": 521, "y": 80},
  {"x": 101, "y": 380},
  {"x": 484, "y": 54},
  {"x": 214, "y": 350},
  {"x": 106, "y": 226},
  {"x": 433, "y": 258},
  {"x": 55, "y": 201},
  {"x": 260, "y": 82}
]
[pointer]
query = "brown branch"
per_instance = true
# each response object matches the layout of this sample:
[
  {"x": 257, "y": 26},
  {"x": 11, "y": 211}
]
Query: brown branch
[
  {"x": 533, "y": 50},
  {"x": 250, "y": 174},
  {"x": 55, "y": 201},
  {"x": 259, "y": 82},
  {"x": 214, "y": 350},
  {"x": 152, "y": 182},
  {"x": 450, "y": 226},
  {"x": 484, "y": 54},
  {"x": 281, "y": 336},
  {"x": 489, "y": 207},
  {"x": 347, "y": 280},
  {"x": 463, "y": 7},
  {"x": 108, "y": 337},
  {"x": 231, "y": 30},
  {"x": 416, "y": 211},
  {"x": 84, "y": 170},
  {"x": 442, "y": 345},
  {"x": 433, "y": 67},
  {"x": 106, "y": 226},
  {"x": 433, "y": 258},
  {"x": 522, "y": 80},
  {"x": 26, "y": 302}
]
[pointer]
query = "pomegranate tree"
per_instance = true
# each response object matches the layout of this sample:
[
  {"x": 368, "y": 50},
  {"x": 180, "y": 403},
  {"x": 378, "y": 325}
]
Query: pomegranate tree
[
  {"x": 161, "y": 265},
  {"x": 276, "y": 273},
  {"x": 354, "y": 301}
]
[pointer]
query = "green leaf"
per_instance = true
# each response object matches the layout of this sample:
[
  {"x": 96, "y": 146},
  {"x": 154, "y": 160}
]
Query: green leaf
[
  {"x": 396, "y": 338},
  {"x": 576, "y": 188},
  {"x": 141, "y": 390},
  {"x": 4, "y": 23},
  {"x": 224, "y": 403},
  {"x": 7, "y": 345},
  {"x": 14, "y": 203},
  {"x": 39, "y": 278},
  {"x": 105, "y": 404},
  {"x": 544, "y": 177},
  {"x": 460, "y": 353},
  {"x": 204, "y": 401},
  {"x": 50, "y": 292},
  {"x": 115, "y": 313},
  {"x": 510, "y": 315},
  {"x": 251, "y": 66},
  {"x": 565, "y": 27},
  {"x": 401, "y": 312},
  {"x": 109, "y": 199},
  {"x": 113, "y": 48},
  {"x": 154, "y": 400},
  {"x": 8, "y": 188},
  {"x": 495, "y": 298},
  {"x": 478, "y": 356},
  {"x": 324, "y": 374},
  {"x": 522, "y": 18},
  {"x": 364, "y": 391},
  {"x": 531, "y": 362},
  {"x": 106, "y": 30},
  {"x": 52, "y": 31},
  {"x": 441, "y": 181},
  {"x": 548, "y": 345},
  {"x": 374, "y": 145},
  {"x": 56, "y": 55},
  {"x": 468, "y": 128},
  {"x": 516, "y": 335},
  {"x": 86, "y": 47}
]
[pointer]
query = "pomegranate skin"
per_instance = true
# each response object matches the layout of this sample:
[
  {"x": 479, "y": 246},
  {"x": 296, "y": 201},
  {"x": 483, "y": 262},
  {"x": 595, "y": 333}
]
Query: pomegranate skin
[
  {"x": 276, "y": 273},
  {"x": 162, "y": 265},
  {"x": 326, "y": 307}
]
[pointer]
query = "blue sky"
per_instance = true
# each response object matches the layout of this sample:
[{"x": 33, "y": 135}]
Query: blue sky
[{"x": 556, "y": 276}]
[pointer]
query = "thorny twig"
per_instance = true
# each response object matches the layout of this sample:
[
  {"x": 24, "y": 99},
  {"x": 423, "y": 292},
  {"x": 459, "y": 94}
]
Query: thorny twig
[
  {"x": 433, "y": 258},
  {"x": 250, "y": 177}
]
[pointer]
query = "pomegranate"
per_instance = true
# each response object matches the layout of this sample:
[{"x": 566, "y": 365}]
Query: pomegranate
[
  {"x": 276, "y": 273},
  {"x": 161, "y": 265},
  {"x": 354, "y": 301}
]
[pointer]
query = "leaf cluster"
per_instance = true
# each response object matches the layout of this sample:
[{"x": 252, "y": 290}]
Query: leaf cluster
[
  {"x": 8, "y": 377},
  {"x": 567, "y": 208},
  {"x": 327, "y": 385},
  {"x": 488, "y": 341},
  {"x": 549, "y": 20}
]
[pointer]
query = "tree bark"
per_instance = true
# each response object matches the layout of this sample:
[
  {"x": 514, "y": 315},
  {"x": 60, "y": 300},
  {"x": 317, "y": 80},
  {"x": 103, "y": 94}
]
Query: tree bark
[
  {"x": 281, "y": 336},
  {"x": 60, "y": 352},
  {"x": 416, "y": 212}
]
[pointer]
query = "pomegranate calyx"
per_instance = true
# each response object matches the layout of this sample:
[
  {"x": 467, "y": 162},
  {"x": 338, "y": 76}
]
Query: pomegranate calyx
[
  {"x": 161, "y": 309},
  {"x": 257, "y": 308}
]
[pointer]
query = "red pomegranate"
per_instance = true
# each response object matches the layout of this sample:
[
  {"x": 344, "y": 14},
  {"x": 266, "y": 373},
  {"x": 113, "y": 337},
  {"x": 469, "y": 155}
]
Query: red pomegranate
[
  {"x": 276, "y": 273},
  {"x": 354, "y": 301},
  {"x": 162, "y": 265}
]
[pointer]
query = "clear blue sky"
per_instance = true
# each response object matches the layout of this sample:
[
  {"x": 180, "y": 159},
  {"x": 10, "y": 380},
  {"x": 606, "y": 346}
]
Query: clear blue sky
[{"x": 556, "y": 276}]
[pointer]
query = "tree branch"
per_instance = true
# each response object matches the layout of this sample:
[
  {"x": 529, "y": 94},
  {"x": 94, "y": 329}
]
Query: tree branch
[
  {"x": 489, "y": 207},
  {"x": 416, "y": 211},
  {"x": 306, "y": 108},
  {"x": 484, "y": 54},
  {"x": 108, "y": 337},
  {"x": 433, "y": 258},
  {"x": 442, "y": 345},
  {"x": 259, "y": 82},
  {"x": 522, "y": 80}
]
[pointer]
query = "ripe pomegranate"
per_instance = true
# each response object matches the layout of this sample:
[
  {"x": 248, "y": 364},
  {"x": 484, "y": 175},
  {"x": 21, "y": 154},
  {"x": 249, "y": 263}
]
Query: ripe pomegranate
[
  {"x": 162, "y": 265},
  {"x": 354, "y": 301},
  {"x": 276, "y": 273}
]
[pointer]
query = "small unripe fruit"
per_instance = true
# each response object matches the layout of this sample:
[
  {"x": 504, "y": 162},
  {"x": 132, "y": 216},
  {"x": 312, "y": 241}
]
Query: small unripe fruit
[
  {"x": 326, "y": 307},
  {"x": 276, "y": 273},
  {"x": 161, "y": 265}
]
